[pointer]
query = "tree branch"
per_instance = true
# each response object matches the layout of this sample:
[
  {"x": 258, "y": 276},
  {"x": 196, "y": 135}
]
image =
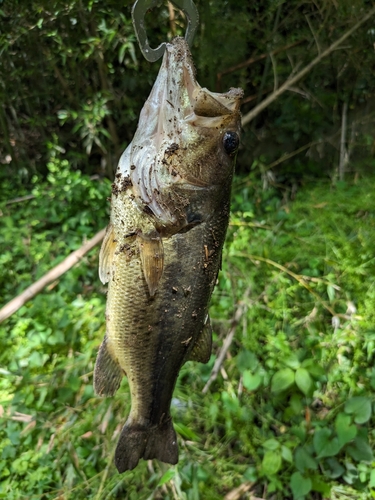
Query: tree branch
[
  {"x": 52, "y": 275},
  {"x": 227, "y": 342},
  {"x": 293, "y": 79},
  {"x": 253, "y": 60},
  {"x": 343, "y": 151}
]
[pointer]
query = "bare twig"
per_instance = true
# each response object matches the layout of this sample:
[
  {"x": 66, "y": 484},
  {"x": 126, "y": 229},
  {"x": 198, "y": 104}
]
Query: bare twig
[
  {"x": 293, "y": 79},
  {"x": 105, "y": 475},
  {"x": 254, "y": 96},
  {"x": 343, "y": 150},
  {"x": 303, "y": 93},
  {"x": 242, "y": 306},
  {"x": 238, "y": 492},
  {"x": 253, "y": 60},
  {"x": 20, "y": 198},
  {"x": 290, "y": 155},
  {"x": 275, "y": 77},
  {"x": 313, "y": 33},
  {"x": 52, "y": 275},
  {"x": 298, "y": 277}
]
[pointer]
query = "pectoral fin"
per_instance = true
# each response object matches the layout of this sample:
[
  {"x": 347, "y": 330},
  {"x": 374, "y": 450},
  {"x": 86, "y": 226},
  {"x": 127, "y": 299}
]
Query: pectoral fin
[
  {"x": 107, "y": 373},
  {"x": 152, "y": 258},
  {"x": 106, "y": 255},
  {"x": 202, "y": 348}
]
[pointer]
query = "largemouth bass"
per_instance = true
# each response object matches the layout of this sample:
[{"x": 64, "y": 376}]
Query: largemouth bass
[{"x": 162, "y": 250}]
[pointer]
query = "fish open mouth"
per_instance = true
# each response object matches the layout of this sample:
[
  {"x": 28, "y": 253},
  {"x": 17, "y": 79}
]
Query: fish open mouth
[{"x": 177, "y": 97}]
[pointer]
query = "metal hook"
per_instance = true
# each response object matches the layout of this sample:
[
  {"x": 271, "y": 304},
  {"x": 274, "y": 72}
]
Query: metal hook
[{"x": 139, "y": 10}]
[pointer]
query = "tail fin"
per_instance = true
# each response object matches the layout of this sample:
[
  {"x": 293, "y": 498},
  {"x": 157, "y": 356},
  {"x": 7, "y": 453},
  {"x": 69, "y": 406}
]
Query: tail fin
[{"x": 138, "y": 442}]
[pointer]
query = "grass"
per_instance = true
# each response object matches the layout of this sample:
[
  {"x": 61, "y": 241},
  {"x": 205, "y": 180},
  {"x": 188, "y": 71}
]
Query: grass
[{"x": 290, "y": 415}]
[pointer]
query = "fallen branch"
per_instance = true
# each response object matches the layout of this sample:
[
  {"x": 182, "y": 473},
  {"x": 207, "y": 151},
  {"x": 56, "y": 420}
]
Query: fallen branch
[
  {"x": 51, "y": 276},
  {"x": 238, "y": 492},
  {"x": 293, "y": 79},
  {"x": 242, "y": 306},
  {"x": 20, "y": 198}
]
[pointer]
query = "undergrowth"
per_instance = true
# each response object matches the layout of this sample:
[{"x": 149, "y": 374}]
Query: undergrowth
[{"x": 290, "y": 415}]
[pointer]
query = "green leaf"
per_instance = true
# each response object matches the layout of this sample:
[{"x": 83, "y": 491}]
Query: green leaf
[
  {"x": 37, "y": 359},
  {"x": 303, "y": 381},
  {"x": 186, "y": 432},
  {"x": 372, "y": 479},
  {"x": 296, "y": 403},
  {"x": 335, "y": 468},
  {"x": 292, "y": 361},
  {"x": 251, "y": 474},
  {"x": 167, "y": 476},
  {"x": 331, "y": 292},
  {"x": 286, "y": 453},
  {"x": 304, "y": 460},
  {"x": 324, "y": 445},
  {"x": 351, "y": 474},
  {"x": 121, "y": 53},
  {"x": 271, "y": 462},
  {"x": 300, "y": 485},
  {"x": 360, "y": 407},
  {"x": 251, "y": 381},
  {"x": 313, "y": 368},
  {"x": 246, "y": 360},
  {"x": 271, "y": 444},
  {"x": 282, "y": 380},
  {"x": 74, "y": 383},
  {"x": 360, "y": 450},
  {"x": 345, "y": 431},
  {"x": 319, "y": 485}
]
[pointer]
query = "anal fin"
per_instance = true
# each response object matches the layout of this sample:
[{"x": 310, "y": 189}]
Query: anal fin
[
  {"x": 201, "y": 350},
  {"x": 152, "y": 258},
  {"x": 106, "y": 255},
  {"x": 107, "y": 372}
]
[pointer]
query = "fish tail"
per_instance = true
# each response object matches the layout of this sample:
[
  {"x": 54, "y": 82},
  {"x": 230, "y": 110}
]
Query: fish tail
[{"x": 138, "y": 442}]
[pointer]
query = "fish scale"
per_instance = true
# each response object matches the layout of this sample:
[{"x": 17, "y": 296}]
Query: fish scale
[{"x": 162, "y": 250}]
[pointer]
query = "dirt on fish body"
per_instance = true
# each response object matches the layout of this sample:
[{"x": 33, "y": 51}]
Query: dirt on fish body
[{"x": 162, "y": 250}]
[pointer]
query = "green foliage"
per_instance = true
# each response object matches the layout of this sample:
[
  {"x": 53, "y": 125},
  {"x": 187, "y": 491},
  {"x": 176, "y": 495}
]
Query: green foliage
[
  {"x": 306, "y": 330},
  {"x": 293, "y": 414},
  {"x": 89, "y": 81}
]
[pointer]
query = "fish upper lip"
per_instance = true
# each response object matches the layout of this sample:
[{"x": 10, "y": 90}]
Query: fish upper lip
[{"x": 187, "y": 95}]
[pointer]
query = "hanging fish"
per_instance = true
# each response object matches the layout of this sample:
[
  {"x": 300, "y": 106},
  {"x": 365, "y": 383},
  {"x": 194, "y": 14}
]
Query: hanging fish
[{"x": 162, "y": 250}]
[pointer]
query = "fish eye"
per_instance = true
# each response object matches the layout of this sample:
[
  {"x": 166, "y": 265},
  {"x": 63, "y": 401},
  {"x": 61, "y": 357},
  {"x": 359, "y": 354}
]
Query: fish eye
[{"x": 230, "y": 142}]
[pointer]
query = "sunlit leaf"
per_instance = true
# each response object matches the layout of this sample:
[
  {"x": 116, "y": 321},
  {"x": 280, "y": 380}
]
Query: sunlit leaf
[{"x": 282, "y": 379}]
